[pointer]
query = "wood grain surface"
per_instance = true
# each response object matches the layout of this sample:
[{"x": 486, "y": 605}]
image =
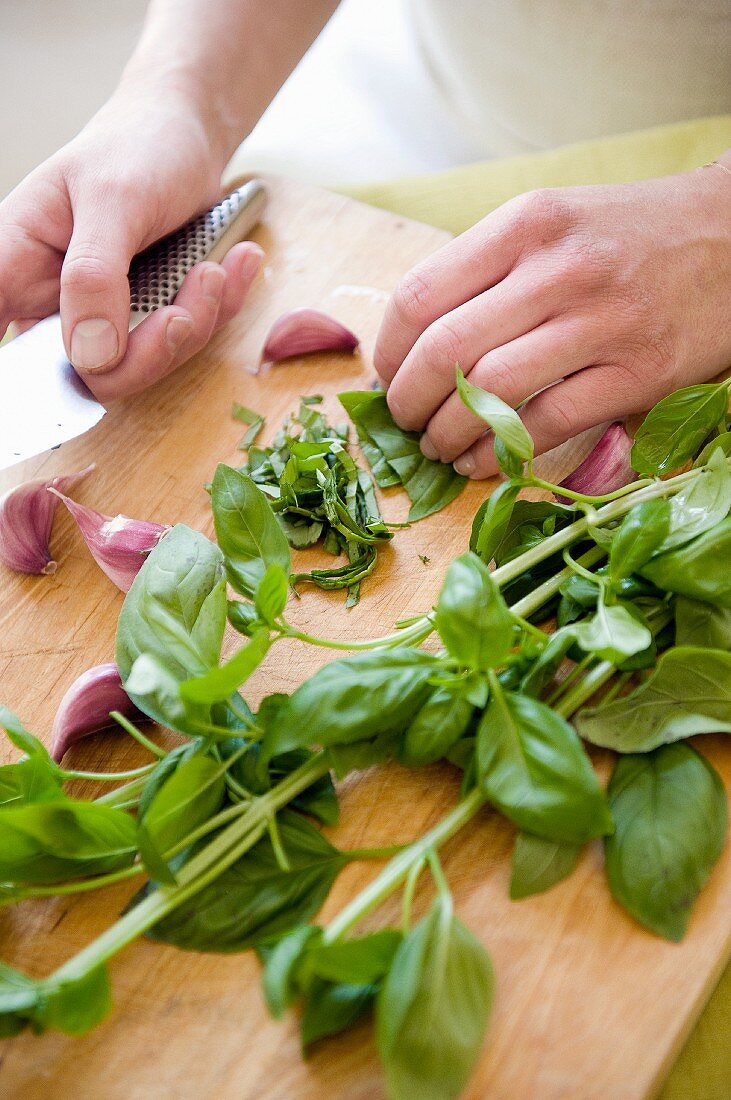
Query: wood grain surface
[{"x": 588, "y": 1005}]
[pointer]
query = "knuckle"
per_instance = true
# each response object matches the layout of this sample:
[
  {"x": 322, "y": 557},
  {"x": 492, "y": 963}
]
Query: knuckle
[
  {"x": 411, "y": 298},
  {"x": 87, "y": 269},
  {"x": 566, "y": 415},
  {"x": 443, "y": 347},
  {"x": 398, "y": 408},
  {"x": 546, "y": 212}
]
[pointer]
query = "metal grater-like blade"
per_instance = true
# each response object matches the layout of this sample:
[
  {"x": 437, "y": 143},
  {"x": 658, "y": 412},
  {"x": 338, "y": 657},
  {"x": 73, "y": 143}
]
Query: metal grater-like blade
[{"x": 156, "y": 275}]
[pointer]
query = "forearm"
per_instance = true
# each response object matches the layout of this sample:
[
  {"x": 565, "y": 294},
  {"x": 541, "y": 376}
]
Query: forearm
[{"x": 228, "y": 58}]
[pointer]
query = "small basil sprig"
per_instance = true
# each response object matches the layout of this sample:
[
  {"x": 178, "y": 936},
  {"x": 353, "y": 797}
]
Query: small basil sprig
[
  {"x": 433, "y": 1009},
  {"x": 670, "y": 814},
  {"x": 247, "y": 530}
]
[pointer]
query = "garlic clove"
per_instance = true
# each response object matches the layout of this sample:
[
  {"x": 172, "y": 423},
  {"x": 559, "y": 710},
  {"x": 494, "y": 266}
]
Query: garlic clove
[
  {"x": 301, "y": 331},
  {"x": 26, "y": 519},
  {"x": 604, "y": 469},
  {"x": 86, "y": 706},
  {"x": 118, "y": 544}
]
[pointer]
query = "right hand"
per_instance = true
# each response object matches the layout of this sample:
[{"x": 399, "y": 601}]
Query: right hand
[{"x": 142, "y": 167}]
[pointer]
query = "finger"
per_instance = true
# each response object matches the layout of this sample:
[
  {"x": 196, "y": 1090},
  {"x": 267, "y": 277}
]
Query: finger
[
  {"x": 520, "y": 303},
  {"x": 95, "y": 299},
  {"x": 29, "y": 278},
  {"x": 514, "y": 372},
  {"x": 591, "y": 396},
  {"x": 242, "y": 266},
  {"x": 19, "y": 327},
  {"x": 170, "y": 336},
  {"x": 473, "y": 262}
]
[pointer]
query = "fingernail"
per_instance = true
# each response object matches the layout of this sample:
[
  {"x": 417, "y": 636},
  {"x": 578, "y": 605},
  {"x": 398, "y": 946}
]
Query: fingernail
[
  {"x": 212, "y": 283},
  {"x": 428, "y": 449},
  {"x": 94, "y": 344},
  {"x": 177, "y": 331},
  {"x": 465, "y": 465}
]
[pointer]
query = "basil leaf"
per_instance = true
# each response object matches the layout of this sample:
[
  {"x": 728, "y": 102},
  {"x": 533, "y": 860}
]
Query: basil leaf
[
  {"x": 614, "y": 633},
  {"x": 162, "y": 772},
  {"x": 429, "y": 485},
  {"x": 157, "y": 691},
  {"x": 320, "y": 799},
  {"x": 353, "y": 699},
  {"x": 676, "y": 427},
  {"x": 440, "y": 723},
  {"x": 247, "y": 416},
  {"x": 670, "y": 814},
  {"x": 247, "y": 530},
  {"x": 500, "y": 417},
  {"x": 353, "y": 403},
  {"x": 719, "y": 442},
  {"x": 220, "y": 683},
  {"x": 538, "y": 864},
  {"x": 331, "y": 1009},
  {"x": 243, "y": 617},
  {"x": 700, "y": 505},
  {"x": 174, "y": 613},
  {"x": 433, "y": 1010},
  {"x": 688, "y": 693},
  {"x": 192, "y": 794},
  {"x": 279, "y": 981},
  {"x": 74, "y": 1007},
  {"x": 254, "y": 901},
  {"x": 530, "y": 523},
  {"x": 698, "y": 569},
  {"x": 701, "y": 624},
  {"x": 271, "y": 595},
  {"x": 547, "y": 664},
  {"x": 492, "y": 519},
  {"x": 31, "y": 780},
  {"x": 533, "y": 767},
  {"x": 361, "y": 961},
  {"x": 21, "y": 738},
  {"x": 643, "y": 530},
  {"x": 46, "y": 842},
  {"x": 471, "y": 616}
]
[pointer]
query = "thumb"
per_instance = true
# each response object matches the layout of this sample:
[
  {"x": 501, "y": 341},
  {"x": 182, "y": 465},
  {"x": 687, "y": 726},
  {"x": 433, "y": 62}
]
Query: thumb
[{"x": 95, "y": 299}]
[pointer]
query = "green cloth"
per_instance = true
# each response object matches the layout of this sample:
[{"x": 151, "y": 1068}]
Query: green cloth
[
  {"x": 455, "y": 200},
  {"x": 459, "y": 197}
]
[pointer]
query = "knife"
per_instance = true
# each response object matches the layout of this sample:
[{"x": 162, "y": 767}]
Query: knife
[{"x": 43, "y": 402}]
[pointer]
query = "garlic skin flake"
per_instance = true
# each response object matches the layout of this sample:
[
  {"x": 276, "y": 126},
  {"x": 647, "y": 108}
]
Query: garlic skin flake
[
  {"x": 118, "y": 544},
  {"x": 26, "y": 519},
  {"x": 302, "y": 331},
  {"x": 86, "y": 706},
  {"x": 604, "y": 469}
]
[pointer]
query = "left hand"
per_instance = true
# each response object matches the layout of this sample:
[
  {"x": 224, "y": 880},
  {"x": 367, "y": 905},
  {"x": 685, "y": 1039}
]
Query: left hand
[{"x": 597, "y": 300}]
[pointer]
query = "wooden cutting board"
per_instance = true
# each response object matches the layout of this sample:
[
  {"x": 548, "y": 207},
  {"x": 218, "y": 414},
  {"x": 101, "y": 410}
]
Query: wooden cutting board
[{"x": 588, "y": 1004}]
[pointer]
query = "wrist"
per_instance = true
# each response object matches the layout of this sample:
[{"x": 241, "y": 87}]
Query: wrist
[{"x": 193, "y": 98}]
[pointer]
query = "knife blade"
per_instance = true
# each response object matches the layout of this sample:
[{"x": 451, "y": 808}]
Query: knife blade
[{"x": 43, "y": 402}]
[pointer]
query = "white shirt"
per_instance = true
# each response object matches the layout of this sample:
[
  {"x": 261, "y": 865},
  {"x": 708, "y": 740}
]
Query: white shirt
[{"x": 521, "y": 75}]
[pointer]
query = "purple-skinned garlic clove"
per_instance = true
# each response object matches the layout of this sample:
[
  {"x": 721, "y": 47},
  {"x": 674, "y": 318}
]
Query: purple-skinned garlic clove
[
  {"x": 86, "y": 707},
  {"x": 302, "y": 331},
  {"x": 26, "y": 519},
  {"x": 604, "y": 469},
  {"x": 118, "y": 544}
]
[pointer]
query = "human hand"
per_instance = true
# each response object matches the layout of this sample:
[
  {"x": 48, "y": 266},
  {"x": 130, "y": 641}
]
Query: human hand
[
  {"x": 142, "y": 167},
  {"x": 597, "y": 300}
]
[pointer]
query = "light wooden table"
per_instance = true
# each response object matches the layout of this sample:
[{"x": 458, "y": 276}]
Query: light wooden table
[{"x": 588, "y": 1004}]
